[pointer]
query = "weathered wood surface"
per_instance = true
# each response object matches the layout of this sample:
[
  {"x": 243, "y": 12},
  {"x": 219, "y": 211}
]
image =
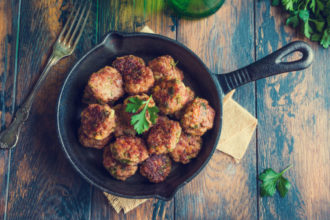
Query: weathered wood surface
[
  {"x": 292, "y": 110},
  {"x": 9, "y": 12},
  {"x": 224, "y": 189},
  {"x": 43, "y": 185},
  {"x": 293, "y": 114}
]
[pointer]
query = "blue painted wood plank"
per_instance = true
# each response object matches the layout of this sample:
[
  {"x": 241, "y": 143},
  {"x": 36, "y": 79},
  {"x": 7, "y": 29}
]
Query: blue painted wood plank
[
  {"x": 293, "y": 113},
  {"x": 224, "y": 189},
  {"x": 42, "y": 183}
]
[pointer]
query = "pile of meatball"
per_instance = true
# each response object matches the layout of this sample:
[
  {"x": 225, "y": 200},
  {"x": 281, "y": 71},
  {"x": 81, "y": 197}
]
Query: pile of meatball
[{"x": 182, "y": 120}]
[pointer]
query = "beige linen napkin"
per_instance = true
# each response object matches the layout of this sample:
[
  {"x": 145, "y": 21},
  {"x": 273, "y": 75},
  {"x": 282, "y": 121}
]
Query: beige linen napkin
[{"x": 238, "y": 126}]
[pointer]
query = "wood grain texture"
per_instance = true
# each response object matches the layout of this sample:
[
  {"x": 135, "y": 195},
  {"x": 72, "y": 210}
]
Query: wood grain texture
[
  {"x": 224, "y": 189},
  {"x": 9, "y": 13},
  {"x": 132, "y": 16},
  {"x": 293, "y": 113},
  {"x": 43, "y": 185}
]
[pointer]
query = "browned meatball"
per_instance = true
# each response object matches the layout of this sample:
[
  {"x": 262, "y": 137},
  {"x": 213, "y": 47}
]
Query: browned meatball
[
  {"x": 163, "y": 136},
  {"x": 129, "y": 150},
  {"x": 98, "y": 121},
  {"x": 116, "y": 169},
  {"x": 104, "y": 86},
  {"x": 156, "y": 168},
  {"x": 137, "y": 77},
  {"x": 128, "y": 64},
  {"x": 127, "y": 116},
  {"x": 198, "y": 117},
  {"x": 187, "y": 148},
  {"x": 139, "y": 81},
  {"x": 164, "y": 67},
  {"x": 171, "y": 96},
  {"x": 122, "y": 125},
  {"x": 91, "y": 142}
]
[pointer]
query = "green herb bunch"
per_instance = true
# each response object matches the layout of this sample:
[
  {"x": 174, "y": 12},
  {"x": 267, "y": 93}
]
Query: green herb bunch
[{"x": 311, "y": 16}]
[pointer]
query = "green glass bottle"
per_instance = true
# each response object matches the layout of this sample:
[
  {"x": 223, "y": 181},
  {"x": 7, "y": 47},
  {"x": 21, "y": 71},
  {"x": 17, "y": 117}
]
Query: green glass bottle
[{"x": 195, "y": 8}]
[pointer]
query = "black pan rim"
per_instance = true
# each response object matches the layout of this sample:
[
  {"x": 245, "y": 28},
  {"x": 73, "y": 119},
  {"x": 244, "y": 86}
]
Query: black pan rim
[{"x": 94, "y": 181}]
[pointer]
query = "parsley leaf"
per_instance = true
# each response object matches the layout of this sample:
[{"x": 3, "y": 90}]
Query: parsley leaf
[
  {"x": 272, "y": 180},
  {"x": 325, "y": 41},
  {"x": 134, "y": 105},
  {"x": 140, "y": 120},
  {"x": 275, "y": 2},
  {"x": 283, "y": 186}
]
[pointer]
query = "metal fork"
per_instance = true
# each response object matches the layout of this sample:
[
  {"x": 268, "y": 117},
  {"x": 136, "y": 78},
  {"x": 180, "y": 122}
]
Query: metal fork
[{"x": 63, "y": 47}]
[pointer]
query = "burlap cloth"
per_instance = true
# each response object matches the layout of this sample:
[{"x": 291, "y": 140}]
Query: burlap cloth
[{"x": 238, "y": 126}]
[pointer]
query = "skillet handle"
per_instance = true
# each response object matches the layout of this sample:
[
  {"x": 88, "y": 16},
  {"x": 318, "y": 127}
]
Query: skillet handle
[{"x": 268, "y": 66}]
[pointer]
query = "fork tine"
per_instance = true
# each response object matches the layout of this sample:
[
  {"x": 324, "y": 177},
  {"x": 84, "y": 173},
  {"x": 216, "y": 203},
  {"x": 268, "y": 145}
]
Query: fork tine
[
  {"x": 67, "y": 23},
  {"x": 65, "y": 40},
  {"x": 78, "y": 24},
  {"x": 83, "y": 26}
]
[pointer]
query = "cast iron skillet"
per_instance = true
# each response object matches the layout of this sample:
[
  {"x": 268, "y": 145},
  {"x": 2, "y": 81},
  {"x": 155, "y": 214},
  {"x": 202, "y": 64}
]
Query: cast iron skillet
[{"x": 88, "y": 162}]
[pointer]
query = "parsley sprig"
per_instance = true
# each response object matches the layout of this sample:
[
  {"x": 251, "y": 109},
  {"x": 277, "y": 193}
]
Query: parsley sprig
[
  {"x": 311, "y": 16},
  {"x": 272, "y": 180},
  {"x": 141, "y": 121}
]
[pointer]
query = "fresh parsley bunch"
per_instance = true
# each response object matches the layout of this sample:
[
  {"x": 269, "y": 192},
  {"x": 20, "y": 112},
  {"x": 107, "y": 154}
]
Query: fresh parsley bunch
[
  {"x": 311, "y": 16},
  {"x": 147, "y": 116}
]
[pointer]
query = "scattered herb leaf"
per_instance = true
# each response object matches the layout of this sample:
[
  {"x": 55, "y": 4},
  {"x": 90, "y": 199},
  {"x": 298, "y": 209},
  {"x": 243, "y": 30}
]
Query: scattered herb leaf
[
  {"x": 272, "y": 180},
  {"x": 140, "y": 121}
]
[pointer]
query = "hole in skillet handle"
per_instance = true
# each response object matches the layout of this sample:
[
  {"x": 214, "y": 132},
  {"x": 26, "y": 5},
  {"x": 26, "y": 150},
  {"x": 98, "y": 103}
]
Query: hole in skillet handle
[{"x": 268, "y": 66}]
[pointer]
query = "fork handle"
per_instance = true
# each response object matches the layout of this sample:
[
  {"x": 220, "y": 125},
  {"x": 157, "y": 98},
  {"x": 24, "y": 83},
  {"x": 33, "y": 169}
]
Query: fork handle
[{"x": 9, "y": 137}]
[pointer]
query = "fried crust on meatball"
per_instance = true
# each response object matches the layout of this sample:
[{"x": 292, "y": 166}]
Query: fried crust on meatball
[
  {"x": 163, "y": 136},
  {"x": 128, "y": 64},
  {"x": 139, "y": 81},
  {"x": 91, "y": 142},
  {"x": 127, "y": 115},
  {"x": 187, "y": 148},
  {"x": 117, "y": 170},
  {"x": 137, "y": 77},
  {"x": 122, "y": 127},
  {"x": 98, "y": 121},
  {"x": 104, "y": 86},
  {"x": 129, "y": 150},
  {"x": 156, "y": 168},
  {"x": 198, "y": 117},
  {"x": 164, "y": 67},
  {"x": 171, "y": 96}
]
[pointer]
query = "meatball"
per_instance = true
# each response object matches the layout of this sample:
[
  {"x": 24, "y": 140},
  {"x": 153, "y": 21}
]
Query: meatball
[
  {"x": 91, "y": 142},
  {"x": 187, "y": 148},
  {"x": 163, "y": 136},
  {"x": 127, "y": 116},
  {"x": 129, "y": 150},
  {"x": 171, "y": 96},
  {"x": 164, "y": 67},
  {"x": 137, "y": 77},
  {"x": 156, "y": 168},
  {"x": 104, "y": 86},
  {"x": 116, "y": 169},
  {"x": 122, "y": 127},
  {"x": 98, "y": 121},
  {"x": 139, "y": 81},
  {"x": 128, "y": 64},
  {"x": 198, "y": 117}
]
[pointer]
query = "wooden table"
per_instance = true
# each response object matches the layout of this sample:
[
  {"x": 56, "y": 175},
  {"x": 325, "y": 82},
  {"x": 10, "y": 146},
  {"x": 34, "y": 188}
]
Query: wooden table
[{"x": 36, "y": 180}]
